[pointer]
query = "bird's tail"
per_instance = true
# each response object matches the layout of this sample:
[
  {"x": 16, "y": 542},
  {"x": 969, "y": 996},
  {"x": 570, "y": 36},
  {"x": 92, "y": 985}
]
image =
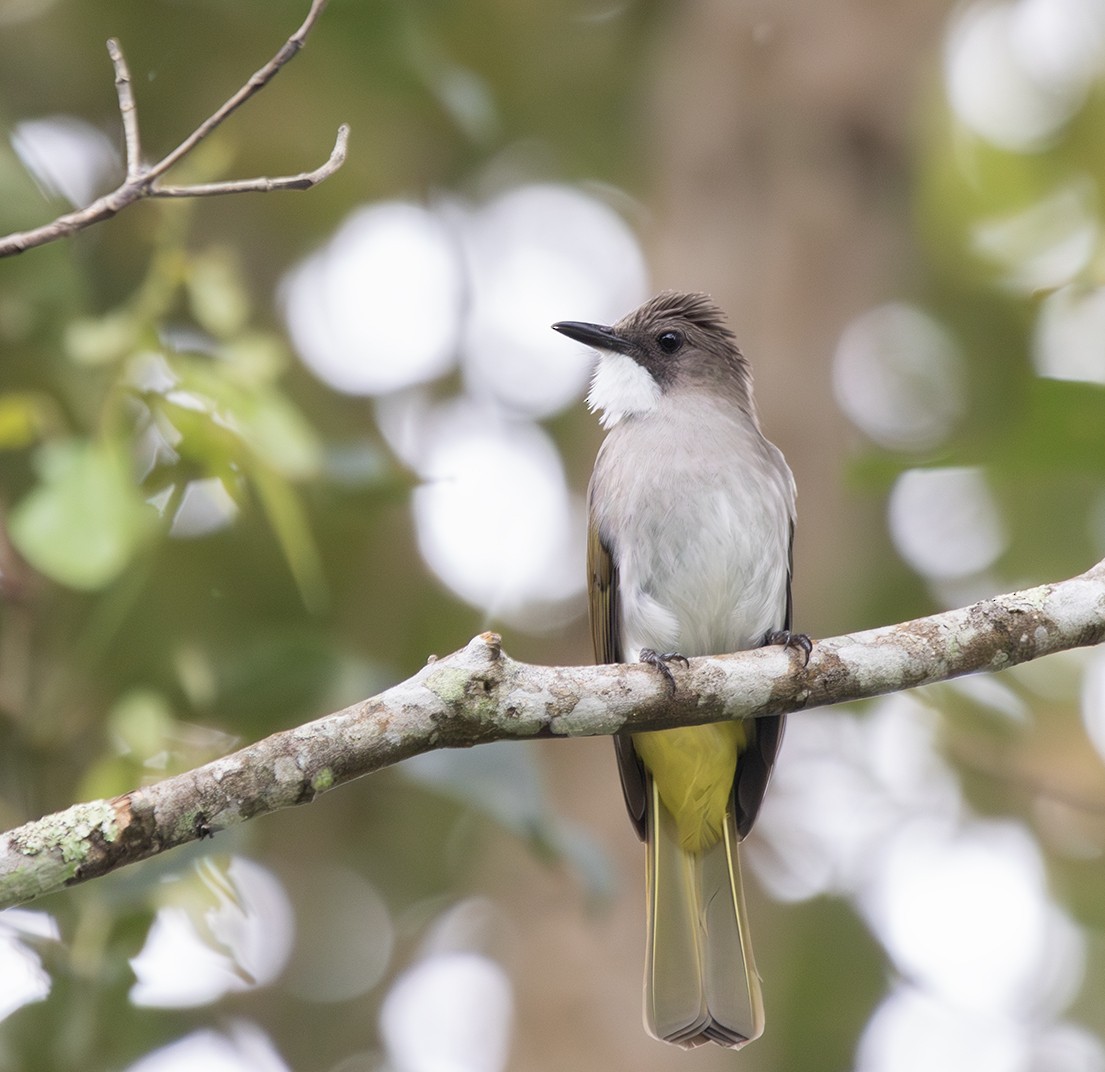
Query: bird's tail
[{"x": 700, "y": 977}]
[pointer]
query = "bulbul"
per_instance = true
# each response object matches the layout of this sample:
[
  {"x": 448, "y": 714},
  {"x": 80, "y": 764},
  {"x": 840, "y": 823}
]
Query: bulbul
[{"x": 689, "y": 553}]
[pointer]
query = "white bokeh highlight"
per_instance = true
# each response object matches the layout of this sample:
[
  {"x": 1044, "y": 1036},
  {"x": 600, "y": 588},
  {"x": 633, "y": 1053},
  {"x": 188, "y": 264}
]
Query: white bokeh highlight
[
  {"x": 399, "y": 294},
  {"x": 1016, "y": 72},
  {"x": 1047, "y": 243},
  {"x": 1070, "y": 329},
  {"x": 945, "y": 522},
  {"x": 450, "y": 1012},
  {"x": 1061, "y": 42},
  {"x": 242, "y": 1047},
  {"x": 237, "y": 935},
  {"x": 848, "y": 787},
  {"x": 913, "y": 1031},
  {"x": 537, "y": 254},
  {"x": 898, "y": 375},
  {"x": 966, "y": 914},
  {"x": 66, "y": 157},
  {"x": 494, "y": 516},
  {"x": 866, "y": 808},
  {"x": 22, "y": 977},
  {"x": 1066, "y": 1047},
  {"x": 378, "y": 307}
]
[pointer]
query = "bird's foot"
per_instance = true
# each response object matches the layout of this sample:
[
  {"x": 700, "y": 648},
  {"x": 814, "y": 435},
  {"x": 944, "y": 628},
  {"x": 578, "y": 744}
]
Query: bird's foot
[
  {"x": 660, "y": 661},
  {"x": 795, "y": 641}
]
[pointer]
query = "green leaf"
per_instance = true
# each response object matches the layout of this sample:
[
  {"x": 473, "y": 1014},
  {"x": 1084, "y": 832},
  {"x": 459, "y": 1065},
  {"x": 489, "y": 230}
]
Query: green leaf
[
  {"x": 218, "y": 298},
  {"x": 278, "y": 434},
  {"x": 253, "y": 358},
  {"x": 289, "y": 521},
  {"x": 84, "y": 522},
  {"x": 261, "y": 418},
  {"x": 102, "y": 340}
]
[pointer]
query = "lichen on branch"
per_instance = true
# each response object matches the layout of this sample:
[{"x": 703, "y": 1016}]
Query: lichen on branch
[{"x": 480, "y": 694}]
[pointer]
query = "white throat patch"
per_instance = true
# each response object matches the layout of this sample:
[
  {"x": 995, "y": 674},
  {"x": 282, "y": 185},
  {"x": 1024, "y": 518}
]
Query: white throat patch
[{"x": 621, "y": 387}]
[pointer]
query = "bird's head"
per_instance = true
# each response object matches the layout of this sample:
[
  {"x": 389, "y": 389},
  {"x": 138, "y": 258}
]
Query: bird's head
[{"x": 673, "y": 344}]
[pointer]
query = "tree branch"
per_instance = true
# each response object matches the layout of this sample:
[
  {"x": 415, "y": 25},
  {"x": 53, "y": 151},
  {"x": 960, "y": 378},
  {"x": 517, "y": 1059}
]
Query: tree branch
[
  {"x": 141, "y": 182},
  {"x": 264, "y": 184},
  {"x": 128, "y": 110},
  {"x": 479, "y": 694}
]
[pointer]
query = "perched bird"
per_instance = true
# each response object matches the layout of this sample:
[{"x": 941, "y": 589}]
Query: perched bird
[{"x": 689, "y": 553}]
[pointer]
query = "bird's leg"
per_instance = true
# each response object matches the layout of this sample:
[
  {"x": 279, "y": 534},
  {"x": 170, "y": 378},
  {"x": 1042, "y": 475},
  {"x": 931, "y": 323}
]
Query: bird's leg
[
  {"x": 795, "y": 641},
  {"x": 654, "y": 658}
]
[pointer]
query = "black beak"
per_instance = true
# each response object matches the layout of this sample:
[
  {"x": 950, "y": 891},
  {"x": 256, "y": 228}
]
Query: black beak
[{"x": 596, "y": 335}]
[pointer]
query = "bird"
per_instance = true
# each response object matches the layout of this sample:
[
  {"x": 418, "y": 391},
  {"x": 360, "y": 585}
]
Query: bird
[{"x": 690, "y": 552}]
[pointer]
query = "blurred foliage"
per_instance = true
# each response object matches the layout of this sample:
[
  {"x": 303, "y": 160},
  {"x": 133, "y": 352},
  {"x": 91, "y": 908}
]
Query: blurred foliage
[
  {"x": 143, "y": 369},
  {"x": 143, "y": 363}
]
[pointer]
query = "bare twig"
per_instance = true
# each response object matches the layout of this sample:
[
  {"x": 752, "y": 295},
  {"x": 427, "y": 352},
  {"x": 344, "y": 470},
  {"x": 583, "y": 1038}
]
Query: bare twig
[
  {"x": 142, "y": 182},
  {"x": 128, "y": 110},
  {"x": 479, "y": 694},
  {"x": 303, "y": 181}
]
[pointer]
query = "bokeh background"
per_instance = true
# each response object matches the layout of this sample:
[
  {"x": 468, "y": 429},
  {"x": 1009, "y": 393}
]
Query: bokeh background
[{"x": 261, "y": 456}]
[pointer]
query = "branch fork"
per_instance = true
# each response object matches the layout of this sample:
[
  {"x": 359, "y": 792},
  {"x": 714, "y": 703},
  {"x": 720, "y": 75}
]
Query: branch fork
[{"x": 143, "y": 181}]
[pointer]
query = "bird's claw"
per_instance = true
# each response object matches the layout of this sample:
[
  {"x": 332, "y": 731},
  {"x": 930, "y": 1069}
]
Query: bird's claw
[
  {"x": 660, "y": 661},
  {"x": 794, "y": 641}
]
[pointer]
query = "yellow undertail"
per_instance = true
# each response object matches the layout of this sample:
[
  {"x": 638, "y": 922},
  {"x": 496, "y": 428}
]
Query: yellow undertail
[{"x": 701, "y": 983}]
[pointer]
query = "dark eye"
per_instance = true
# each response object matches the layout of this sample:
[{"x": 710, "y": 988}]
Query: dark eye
[{"x": 669, "y": 341}]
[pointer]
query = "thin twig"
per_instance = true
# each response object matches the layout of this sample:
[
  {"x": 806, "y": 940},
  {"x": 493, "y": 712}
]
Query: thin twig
[
  {"x": 141, "y": 182},
  {"x": 128, "y": 110},
  {"x": 480, "y": 694},
  {"x": 303, "y": 181}
]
